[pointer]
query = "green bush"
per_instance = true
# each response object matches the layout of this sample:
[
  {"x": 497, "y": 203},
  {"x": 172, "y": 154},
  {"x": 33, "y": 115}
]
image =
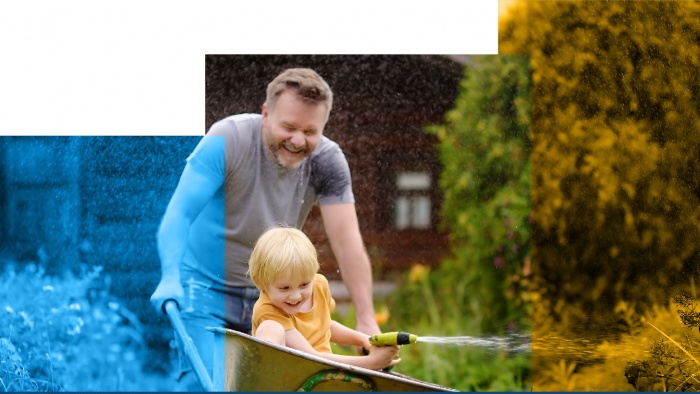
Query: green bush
[
  {"x": 68, "y": 334},
  {"x": 483, "y": 287},
  {"x": 615, "y": 114},
  {"x": 484, "y": 146}
]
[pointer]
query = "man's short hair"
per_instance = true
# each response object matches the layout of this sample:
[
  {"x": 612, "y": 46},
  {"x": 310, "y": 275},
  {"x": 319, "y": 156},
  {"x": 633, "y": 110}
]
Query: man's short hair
[
  {"x": 278, "y": 251},
  {"x": 306, "y": 83}
]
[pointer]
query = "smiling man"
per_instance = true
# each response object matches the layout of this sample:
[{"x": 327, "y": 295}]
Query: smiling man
[{"x": 250, "y": 172}]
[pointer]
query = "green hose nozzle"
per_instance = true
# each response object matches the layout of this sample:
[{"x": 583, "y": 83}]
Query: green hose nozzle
[{"x": 392, "y": 339}]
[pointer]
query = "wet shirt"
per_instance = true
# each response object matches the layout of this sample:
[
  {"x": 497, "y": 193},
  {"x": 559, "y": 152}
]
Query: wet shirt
[
  {"x": 255, "y": 193},
  {"x": 314, "y": 325}
]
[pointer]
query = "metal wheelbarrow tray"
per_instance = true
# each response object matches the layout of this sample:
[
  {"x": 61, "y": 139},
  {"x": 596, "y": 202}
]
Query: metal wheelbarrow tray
[{"x": 251, "y": 364}]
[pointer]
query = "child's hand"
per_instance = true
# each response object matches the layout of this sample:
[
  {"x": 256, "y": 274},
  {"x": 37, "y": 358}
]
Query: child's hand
[
  {"x": 383, "y": 356},
  {"x": 366, "y": 345}
]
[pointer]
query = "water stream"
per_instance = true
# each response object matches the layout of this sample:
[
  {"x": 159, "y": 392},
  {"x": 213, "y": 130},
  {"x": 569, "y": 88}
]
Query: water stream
[{"x": 510, "y": 343}]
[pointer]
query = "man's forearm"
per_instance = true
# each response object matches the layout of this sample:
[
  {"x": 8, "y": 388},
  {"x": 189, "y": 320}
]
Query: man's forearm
[
  {"x": 172, "y": 241},
  {"x": 357, "y": 274},
  {"x": 340, "y": 221}
]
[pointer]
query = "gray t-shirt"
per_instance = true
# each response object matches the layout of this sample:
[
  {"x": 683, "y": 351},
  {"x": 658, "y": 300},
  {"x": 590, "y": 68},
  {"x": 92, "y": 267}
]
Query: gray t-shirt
[{"x": 255, "y": 193}]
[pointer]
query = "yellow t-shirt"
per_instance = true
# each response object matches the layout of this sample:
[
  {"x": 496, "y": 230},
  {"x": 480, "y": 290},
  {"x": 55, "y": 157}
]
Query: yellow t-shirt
[{"x": 314, "y": 325}]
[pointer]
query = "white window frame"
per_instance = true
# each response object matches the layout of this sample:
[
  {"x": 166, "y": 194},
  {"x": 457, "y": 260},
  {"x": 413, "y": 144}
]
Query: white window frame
[{"x": 413, "y": 205}]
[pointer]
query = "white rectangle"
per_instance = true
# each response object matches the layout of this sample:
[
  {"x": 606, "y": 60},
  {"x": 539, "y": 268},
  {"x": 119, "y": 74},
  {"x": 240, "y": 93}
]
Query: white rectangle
[{"x": 83, "y": 67}]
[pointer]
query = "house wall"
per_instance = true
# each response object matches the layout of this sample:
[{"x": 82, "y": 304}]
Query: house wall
[
  {"x": 126, "y": 184},
  {"x": 40, "y": 216}
]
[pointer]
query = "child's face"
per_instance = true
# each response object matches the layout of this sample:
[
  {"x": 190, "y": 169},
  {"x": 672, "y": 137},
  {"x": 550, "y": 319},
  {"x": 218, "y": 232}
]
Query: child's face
[{"x": 291, "y": 293}]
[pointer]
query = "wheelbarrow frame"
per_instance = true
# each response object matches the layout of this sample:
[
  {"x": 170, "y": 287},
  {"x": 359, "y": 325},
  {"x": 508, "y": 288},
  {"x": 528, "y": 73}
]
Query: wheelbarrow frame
[
  {"x": 172, "y": 310},
  {"x": 240, "y": 345}
]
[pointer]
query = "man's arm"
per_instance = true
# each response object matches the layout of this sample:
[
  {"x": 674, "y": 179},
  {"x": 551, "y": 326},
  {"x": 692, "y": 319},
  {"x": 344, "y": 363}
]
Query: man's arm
[
  {"x": 343, "y": 230},
  {"x": 193, "y": 192}
]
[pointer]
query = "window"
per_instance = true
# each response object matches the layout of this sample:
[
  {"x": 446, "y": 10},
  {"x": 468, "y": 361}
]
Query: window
[{"x": 413, "y": 207}]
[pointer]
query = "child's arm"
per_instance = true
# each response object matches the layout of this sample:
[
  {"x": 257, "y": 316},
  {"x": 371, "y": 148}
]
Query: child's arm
[
  {"x": 378, "y": 358},
  {"x": 271, "y": 331},
  {"x": 343, "y": 335}
]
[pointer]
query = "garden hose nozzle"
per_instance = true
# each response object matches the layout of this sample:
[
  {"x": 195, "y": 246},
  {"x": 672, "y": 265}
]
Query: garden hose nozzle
[{"x": 392, "y": 338}]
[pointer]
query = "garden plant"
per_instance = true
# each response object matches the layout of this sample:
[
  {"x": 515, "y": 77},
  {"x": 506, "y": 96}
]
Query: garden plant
[
  {"x": 482, "y": 288},
  {"x": 67, "y": 333},
  {"x": 672, "y": 364},
  {"x": 615, "y": 185}
]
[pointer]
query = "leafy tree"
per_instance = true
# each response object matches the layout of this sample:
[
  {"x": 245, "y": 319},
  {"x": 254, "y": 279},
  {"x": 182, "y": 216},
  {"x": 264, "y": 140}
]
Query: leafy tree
[
  {"x": 615, "y": 147},
  {"x": 484, "y": 148}
]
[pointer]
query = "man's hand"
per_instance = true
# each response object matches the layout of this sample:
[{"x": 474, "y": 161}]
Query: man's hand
[{"x": 168, "y": 288}]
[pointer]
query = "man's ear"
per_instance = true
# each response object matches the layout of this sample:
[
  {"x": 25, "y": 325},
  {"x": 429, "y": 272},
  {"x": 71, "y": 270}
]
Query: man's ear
[{"x": 265, "y": 115}]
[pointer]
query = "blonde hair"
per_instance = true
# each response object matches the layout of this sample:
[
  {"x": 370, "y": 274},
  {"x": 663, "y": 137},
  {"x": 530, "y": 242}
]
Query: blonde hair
[
  {"x": 306, "y": 83},
  {"x": 278, "y": 250}
]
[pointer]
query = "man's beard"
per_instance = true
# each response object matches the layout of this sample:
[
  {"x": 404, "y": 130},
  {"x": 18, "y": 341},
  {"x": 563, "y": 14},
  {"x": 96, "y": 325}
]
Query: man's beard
[{"x": 275, "y": 149}]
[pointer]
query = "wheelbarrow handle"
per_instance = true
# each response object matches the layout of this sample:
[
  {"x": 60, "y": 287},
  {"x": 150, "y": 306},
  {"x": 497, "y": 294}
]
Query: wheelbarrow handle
[{"x": 173, "y": 311}]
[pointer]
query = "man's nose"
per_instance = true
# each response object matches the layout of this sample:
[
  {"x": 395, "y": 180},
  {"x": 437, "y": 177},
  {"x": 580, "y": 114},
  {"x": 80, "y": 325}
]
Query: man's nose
[{"x": 297, "y": 139}]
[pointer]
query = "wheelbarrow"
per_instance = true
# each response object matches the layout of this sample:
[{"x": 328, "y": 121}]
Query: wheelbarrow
[{"x": 251, "y": 364}]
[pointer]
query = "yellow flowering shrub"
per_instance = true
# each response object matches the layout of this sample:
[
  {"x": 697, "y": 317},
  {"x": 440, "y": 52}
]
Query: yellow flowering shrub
[{"x": 615, "y": 146}]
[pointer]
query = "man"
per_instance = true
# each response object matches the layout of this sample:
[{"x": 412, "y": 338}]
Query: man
[{"x": 248, "y": 173}]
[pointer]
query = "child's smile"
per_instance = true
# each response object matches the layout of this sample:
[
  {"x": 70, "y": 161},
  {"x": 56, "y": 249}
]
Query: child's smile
[{"x": 292, "y": 293}]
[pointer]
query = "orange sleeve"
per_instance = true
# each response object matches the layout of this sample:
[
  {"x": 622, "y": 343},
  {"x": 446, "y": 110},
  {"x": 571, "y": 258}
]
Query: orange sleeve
[
  {"x": 273, "y": 314},
  {"x": 264, "y": 310},
  {"x": 326, "y": 290}
]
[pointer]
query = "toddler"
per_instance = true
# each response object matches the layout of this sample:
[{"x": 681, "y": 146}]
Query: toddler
[{"x": 295, "y": 304}]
